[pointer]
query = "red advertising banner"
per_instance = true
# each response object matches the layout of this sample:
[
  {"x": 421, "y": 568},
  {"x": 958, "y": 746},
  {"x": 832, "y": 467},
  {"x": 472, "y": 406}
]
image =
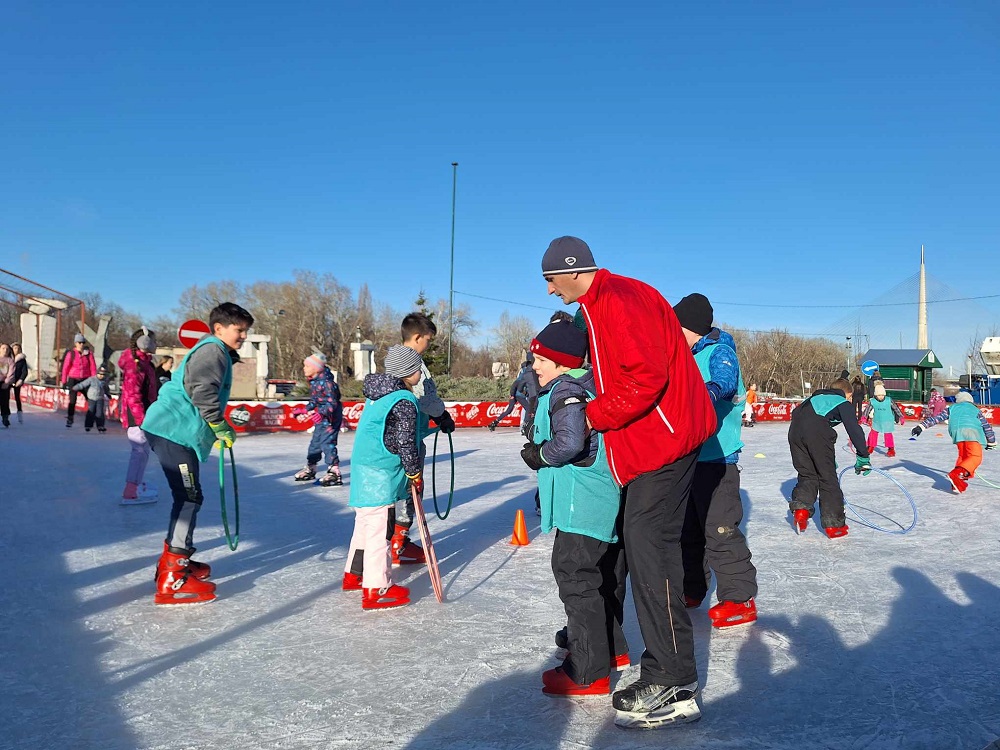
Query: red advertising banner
[{"x": 275, "y": 416}]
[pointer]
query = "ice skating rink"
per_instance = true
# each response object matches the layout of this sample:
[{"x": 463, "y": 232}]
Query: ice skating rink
[{"x": 873, "y": 641}]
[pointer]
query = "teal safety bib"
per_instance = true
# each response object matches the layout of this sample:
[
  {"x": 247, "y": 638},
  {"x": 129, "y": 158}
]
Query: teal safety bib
[
  {"x": 376, "y": 472},
  {"x": 964, "y": 424},
  {"x": 728, "y": 437}
]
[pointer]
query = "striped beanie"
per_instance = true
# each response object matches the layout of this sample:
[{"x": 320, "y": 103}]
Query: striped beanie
[
  {"x": 563, "y": 343},
  {"x": 402, "y": 361},
  {"x": 316, "y": 360}
]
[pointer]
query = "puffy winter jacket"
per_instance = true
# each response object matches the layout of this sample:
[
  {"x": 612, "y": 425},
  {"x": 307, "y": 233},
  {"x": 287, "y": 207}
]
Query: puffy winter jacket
[
  {"x": 78, "y": 365},
  {"x": 652, "y": 403},
  {"x": 140, "y": 387}
]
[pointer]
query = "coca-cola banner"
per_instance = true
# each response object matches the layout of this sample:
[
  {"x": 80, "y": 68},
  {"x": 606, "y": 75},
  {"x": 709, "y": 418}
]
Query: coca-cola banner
[{"x": 274, "y": 416}]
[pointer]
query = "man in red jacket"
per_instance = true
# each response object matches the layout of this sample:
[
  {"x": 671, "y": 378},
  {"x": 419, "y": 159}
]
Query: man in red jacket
[{"x": 655, "y": 412}]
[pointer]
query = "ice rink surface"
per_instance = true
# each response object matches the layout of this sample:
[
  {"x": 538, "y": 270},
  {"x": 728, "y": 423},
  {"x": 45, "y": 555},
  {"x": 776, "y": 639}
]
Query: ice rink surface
[{"x": 873, "y": 641}]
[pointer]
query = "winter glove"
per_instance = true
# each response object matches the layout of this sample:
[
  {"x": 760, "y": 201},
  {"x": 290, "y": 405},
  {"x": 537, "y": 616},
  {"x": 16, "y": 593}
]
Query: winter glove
[
  {"x": 863, "y": 466},
  {"x": 991, "y": 446},
  {"x": 417, "y": 483},
  {"x": 532, "y": 455},
  {"x": 315, "y": 417},
  {"x": 446, "y": 423},
  {"x": 224, "y": 432},
  {"x": 915, "y": 432},
  {"x": 492, "y": 426}
]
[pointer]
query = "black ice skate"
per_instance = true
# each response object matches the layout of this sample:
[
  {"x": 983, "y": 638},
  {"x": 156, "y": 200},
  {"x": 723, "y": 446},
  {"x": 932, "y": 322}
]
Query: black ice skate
[
  {"x": 332, "y": 478},
  {"x": 645, "y": 705}
]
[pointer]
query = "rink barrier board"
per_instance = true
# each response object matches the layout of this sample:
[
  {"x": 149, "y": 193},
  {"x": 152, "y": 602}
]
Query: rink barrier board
[{"x": 276, "y": 416}]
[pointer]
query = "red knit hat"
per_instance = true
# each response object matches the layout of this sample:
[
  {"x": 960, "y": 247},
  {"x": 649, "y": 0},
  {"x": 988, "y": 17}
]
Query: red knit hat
[{"x": 563, "y": 343}]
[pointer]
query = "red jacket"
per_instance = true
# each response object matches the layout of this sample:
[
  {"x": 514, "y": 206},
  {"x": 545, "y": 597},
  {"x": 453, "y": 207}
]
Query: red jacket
[{"x": 651, "y": 404}]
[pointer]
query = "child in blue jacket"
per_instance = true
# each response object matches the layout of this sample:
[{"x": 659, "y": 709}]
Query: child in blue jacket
[{"x": 326, "y": 412}]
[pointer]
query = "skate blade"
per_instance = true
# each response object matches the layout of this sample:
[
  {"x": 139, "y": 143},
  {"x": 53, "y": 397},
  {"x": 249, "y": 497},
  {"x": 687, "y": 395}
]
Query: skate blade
[
  {"x": 741, "y": 622},
  {"x": 165, "y": 600},
  {"x": 682, "y": 712},
  {"x": 139, "y": 501}
]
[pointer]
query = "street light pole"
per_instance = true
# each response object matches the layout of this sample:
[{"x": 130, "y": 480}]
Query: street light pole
[
  {"x": 451, "y": 283},
  {"x": 848, "y": 347}
]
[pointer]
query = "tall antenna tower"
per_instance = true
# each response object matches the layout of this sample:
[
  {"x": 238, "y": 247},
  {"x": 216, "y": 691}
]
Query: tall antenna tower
[{"x": 922, "y": 306}]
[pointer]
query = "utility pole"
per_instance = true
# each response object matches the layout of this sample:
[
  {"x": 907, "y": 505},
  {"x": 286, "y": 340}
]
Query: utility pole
[{"x": 451, "y": 283}]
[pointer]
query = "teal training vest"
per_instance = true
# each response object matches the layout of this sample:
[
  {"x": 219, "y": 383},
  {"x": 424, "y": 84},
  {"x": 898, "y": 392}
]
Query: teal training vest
[
  {"x": 824, "y": 403},
  {"x": 729, "y": 414},
  {"x": 376, "y": 472},
  {"x": 964, "y": 424},
  {"x": 882, "y": 418},
  {"x": 175, "y": 417},
  {"x": 578, "y": 499}
]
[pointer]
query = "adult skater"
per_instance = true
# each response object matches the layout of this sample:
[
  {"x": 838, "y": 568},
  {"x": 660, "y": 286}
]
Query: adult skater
[
  {"x": 78, "y": 364},
  {"x": 654, "y": 412}
]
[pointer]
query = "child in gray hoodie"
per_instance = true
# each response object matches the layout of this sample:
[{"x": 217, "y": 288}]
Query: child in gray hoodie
[{"x": 98, "y": 397}]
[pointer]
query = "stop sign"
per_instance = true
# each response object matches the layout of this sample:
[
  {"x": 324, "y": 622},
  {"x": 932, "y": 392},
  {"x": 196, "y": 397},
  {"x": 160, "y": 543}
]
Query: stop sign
[{"x": 191, "y": 332}]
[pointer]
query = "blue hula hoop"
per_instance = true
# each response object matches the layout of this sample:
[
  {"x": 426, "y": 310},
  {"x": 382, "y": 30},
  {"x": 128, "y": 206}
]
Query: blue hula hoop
[{"x": 864, "y": 521}]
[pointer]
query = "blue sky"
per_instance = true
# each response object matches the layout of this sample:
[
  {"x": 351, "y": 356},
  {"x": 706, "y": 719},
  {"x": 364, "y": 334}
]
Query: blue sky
[{"x": 761, "y": 153}]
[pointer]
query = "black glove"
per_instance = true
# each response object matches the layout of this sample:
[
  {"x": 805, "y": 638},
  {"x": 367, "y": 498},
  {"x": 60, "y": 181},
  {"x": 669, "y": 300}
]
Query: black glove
[
  {"x": 915, "y": 432},
  {"x": 492, "y": 426},
  {"x": 446, "y": 423},
  {"x": 532, "y": 455}
]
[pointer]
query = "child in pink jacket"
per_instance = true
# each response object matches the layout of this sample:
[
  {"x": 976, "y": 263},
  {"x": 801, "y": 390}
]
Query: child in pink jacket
[{"x": 140, "y": 387}]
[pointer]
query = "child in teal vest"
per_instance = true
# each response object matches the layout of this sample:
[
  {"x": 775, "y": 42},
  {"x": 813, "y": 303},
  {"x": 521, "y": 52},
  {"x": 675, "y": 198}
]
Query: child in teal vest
[
  {"x": 181, "y": 426},
  {"x": 581, "y": 501},
  {"x": 969, "y": 431},
  {"x": 385, "y": 460},
  {"x": 882, "y": 413},
  {"x": 712, "y": 539}
]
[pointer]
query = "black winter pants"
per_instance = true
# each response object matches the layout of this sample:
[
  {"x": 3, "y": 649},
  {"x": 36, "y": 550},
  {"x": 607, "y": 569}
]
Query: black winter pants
[
  {"x": 17, "y": 398},
  {"x": 5, "y": 405},
  {"x": 712, "y": 539},
  {"x": 814, "y": 458},
  {"x": 181, "y": 468},
  {"x": 655, "y": 504},
  {"x": 71, "y": 409},
  {"x": 585, "y": 572}
]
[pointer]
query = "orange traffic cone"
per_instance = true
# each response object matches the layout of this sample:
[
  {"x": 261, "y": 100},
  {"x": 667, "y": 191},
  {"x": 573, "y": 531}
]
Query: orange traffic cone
[{"x": 520, "y": 538}]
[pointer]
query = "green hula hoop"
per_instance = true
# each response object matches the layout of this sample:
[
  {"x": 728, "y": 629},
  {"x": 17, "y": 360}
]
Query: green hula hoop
[
  {"x": 233, "y": 540},
  {"x": 451, "y": 490}
]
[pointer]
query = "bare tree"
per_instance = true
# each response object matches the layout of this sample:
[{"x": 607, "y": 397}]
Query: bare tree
[{"x": 512, "y": 336}]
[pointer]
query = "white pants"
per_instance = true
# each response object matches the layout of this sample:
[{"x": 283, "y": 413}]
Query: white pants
[
  {"x": 139, "y": 457},
  {"x": 748, "y": 412},
  {"x": 369, "y": 535}
]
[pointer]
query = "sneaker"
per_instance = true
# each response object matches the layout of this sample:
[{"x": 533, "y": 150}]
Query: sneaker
[
  {"x": 731, "y": 614},
  {"x": 891, "y": 453},
  {"x": 959, "y": 480},
  {"x": 646, "y": 705},
  {"x": 801, "y": 520},
  {"x": 557, "y": 682},
  {"x": 834, "y": 532}
]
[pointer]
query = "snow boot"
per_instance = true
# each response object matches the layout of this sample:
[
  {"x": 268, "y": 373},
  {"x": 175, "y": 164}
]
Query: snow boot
[
  {"x": 891, "y": 453},
  {"x": 391, "y": 596},
  {"x": 646, "y": 705},
  {"x": 352, "y": 582},
  {"x": 557, "y": 682},
  {"x": 176, "y": 583},
  {"x": 835, "y": 532},
  {"x": 306, "y": 475},
  {"x": 201, "y": 571},
  {"x": 801, "y": 521},
  {"x": 405, "y": 552},
  {"x": 959, "y": 479},
  {"x": 332, "y": 478},
  {"x": 731, "y": 614}
]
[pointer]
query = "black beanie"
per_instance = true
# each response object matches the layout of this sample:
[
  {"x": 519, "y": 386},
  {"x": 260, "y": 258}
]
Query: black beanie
[
  {"x": 562, "y": 342},
  {"x": 695, "y": 313},
  {"x": 567, "y": 255}
]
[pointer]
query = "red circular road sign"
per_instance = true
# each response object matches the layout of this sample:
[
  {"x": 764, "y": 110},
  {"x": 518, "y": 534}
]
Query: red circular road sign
[{"x": 191, "y": 332}]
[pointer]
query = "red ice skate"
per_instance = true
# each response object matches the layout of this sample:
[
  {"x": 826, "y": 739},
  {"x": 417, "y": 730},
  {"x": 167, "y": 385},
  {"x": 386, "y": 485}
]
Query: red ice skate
[
  {"x": 835, "y": 532},
  {"x": 201, "y": 571},
  {"x": 176, "y": 583},
  {"x": 352, "y": 582},
  {"x": 891, "y": 453},
  {"x": 959, "y": 479},
  {"x": 801, "y": 521},
  {"x": 730, "y": 614},
  {"x": 390, "y": 596},
  {"x": 557, "y": 682},
  {"x": 405, "y": 552}
]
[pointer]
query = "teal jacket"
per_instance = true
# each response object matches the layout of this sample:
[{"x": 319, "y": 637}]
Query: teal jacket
[
  {"x": 715, "y": 355},
  {"x": 965, "y": 423},
  {"x": 377, "y": 474},
  {"x": 175, "y": 416}
]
